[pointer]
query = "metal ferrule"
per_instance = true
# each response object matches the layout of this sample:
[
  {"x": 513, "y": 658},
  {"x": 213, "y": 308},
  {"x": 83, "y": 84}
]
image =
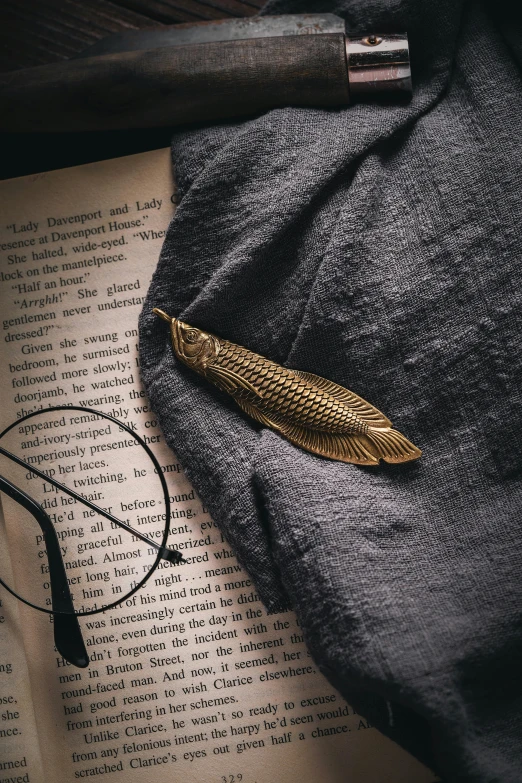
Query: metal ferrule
[{"x": 378, "y": 63}]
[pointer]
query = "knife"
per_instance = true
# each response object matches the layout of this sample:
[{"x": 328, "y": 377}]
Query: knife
[{"x": 205, "y": 72}]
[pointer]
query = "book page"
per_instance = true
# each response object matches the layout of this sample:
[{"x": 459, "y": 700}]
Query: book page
[
  {"x": 189, "y": 678},
  {"x": 19, "y": 744}
]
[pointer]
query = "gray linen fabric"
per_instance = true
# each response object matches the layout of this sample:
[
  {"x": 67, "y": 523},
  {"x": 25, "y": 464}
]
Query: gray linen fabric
[{"x": 378, "y": 246}]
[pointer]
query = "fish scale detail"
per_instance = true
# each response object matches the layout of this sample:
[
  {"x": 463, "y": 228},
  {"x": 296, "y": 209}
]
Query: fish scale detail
[
  {"x": 309, "y": 411},
  {"x": 283, "y": 389}
]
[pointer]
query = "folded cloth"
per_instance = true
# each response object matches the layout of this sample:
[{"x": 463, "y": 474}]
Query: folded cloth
[{"x": 377, "y": 246}]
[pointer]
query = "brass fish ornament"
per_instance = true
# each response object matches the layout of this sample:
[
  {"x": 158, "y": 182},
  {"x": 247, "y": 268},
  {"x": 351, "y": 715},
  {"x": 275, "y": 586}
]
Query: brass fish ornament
[{"x": 310, "y": 411}]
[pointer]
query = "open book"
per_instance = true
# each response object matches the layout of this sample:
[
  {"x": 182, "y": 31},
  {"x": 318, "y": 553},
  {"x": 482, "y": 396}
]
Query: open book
[{"x": 190, "y": 679}]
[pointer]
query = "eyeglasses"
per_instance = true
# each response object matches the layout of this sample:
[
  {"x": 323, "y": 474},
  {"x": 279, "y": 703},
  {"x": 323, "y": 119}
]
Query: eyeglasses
[{"x": 55, "y": 548}]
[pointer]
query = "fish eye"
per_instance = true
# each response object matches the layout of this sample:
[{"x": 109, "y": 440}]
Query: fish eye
[{"x": 191, "y": 336}]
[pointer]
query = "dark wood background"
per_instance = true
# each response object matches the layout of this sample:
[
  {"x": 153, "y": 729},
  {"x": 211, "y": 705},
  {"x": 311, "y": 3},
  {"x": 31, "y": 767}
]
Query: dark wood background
[{"x": 35, "y": 32}]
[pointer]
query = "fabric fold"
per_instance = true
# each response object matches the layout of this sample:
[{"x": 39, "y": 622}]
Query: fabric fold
[{"x": 378, "y": 246}]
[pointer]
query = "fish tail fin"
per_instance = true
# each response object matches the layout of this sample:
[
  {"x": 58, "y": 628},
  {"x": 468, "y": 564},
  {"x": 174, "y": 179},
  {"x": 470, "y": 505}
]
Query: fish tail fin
[{"x": 392, "y": 446}]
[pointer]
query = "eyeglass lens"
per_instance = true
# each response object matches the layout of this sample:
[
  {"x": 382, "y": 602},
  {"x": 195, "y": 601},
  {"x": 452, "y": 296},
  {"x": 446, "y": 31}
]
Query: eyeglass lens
[{"x": 90, "y": 455}]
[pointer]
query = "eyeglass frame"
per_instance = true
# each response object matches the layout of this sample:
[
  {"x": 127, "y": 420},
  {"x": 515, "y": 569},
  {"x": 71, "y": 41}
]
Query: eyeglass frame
[{"x": 67, "y": 633}]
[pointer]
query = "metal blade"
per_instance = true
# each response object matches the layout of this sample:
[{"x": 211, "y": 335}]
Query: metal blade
[{"x": 222, "y": 30}]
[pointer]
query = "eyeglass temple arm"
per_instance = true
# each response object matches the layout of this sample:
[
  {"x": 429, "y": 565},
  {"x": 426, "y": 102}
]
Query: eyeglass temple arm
[
  {"x": 172, "y": 555},
  {"x": 67, "y": 633}
]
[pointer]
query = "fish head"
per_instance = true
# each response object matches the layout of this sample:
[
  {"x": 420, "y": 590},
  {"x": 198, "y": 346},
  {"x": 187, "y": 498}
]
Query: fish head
[{"x": 194, "y": 347}]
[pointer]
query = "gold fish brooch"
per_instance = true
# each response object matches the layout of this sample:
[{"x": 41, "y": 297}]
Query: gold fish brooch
[{"x": 310, "y": 411}]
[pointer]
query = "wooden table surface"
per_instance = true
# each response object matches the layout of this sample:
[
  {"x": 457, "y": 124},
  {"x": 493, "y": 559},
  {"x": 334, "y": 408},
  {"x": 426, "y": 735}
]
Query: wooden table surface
[{"x": 34, "y": 32}]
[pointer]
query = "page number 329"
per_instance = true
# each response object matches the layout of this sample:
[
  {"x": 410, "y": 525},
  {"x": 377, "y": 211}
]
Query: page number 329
[{"x": 232, "y": 778}]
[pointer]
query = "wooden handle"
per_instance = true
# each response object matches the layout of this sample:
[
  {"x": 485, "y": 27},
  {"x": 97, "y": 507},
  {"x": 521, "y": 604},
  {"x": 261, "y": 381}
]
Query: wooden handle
[{"x": 176, "y": 85}]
